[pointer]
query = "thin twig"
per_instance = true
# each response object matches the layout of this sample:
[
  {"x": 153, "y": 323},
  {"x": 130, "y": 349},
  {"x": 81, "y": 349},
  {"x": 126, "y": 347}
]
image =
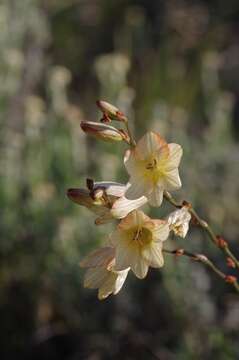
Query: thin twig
[
  {"x": 223, "y": 245},
  {"x": 204, "y": 260}
]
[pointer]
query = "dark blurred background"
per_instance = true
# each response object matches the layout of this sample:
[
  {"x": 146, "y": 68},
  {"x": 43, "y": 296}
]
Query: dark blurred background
[{"x": 172, "y": 66}]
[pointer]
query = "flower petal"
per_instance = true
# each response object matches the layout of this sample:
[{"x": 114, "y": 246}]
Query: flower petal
[
  {"x": 129, "y": 256},
  {"x": 105, "y": 218},
  {"x": 123, "y": 206},
  {"x": 172, "y": 180},
  {"x": 137, "y": 189},
  {"x": 135, "y": 218},
  {"x": 149, "y": 144},
  {"x": 108, "y": 286},
  {"x": 161, "y": 230},
  {"x": 99, "y": 257},
  {"x": 95, "y": 277},
  {"x": 111, "y": 188},
  {"x": 175, "y": 155},
  {"x": 122, "y": 275},
  {"x": 153, "y": 255},
  {"x": 156, "y": 196}
]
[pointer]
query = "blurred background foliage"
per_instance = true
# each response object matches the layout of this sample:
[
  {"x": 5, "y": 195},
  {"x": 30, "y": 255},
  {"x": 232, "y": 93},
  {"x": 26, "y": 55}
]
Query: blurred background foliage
[{"x": 172, "y": 66}]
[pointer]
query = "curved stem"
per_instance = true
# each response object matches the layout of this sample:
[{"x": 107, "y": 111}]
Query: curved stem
[
  {"x": 204, "y": 225},
  {"x": 204, "y": 260}
]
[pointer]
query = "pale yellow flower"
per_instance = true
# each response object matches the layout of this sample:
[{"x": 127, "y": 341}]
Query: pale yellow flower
[
  {"x": 100, "y": 273},
  {"x": 106, "y": 200},
  {"x": 179, "y": 220},
  {"x": 138, "y": 241},
  {"x": 153, "y": 168}
]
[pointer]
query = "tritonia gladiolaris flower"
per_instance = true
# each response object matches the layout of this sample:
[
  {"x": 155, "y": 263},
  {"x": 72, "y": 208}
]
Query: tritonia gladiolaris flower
[
  {"x": 105, "y": 199},
  {"x": 100, "y": 273},
  {"x": 138, "y": 240},
  {"x": 103, "y": 132},
  {"x": 179, "y": 220},
  {"x": 153, "y": 168}
]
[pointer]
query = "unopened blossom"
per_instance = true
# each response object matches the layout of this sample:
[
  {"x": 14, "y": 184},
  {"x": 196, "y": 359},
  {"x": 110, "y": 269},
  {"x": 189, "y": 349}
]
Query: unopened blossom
[
  {"x": 105, "y": 199},
  {"x": 103, "y": 132},
  {"x": 100, "y": 273},
  {"x": 179, "y": 220},
  {"x": 110, "y": 112},
  {"x": 153, "y": 168},
  {"x": 138, "y": 241}
]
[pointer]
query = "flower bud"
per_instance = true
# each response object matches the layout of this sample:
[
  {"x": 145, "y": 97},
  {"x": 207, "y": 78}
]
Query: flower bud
[
  {"x": 102, "y": 131},
  {"x": 230, "y": 279},
  {"x": 179, "y": 252},
  {"x": 82, "y": 197},
  {"x": 230, "y": 263},
  {"x": 221, "y": 243},
  {"x": 110, "y": 112}
]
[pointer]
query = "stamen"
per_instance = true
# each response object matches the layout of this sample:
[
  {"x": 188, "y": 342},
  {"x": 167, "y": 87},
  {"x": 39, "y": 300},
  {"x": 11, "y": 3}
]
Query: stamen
[
  {"x": 137, "y": 234},
  {"x": 151, "y": 165}
]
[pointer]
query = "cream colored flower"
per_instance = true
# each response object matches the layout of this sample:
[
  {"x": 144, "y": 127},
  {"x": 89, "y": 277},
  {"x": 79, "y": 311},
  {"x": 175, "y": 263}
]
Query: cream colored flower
[
  {"x": 106, "y": 200},
  {"x": 138, "y": 241},
  {"x": 100, "y": 273},
  {"x": 153, "y": 168},
  {"x": 179, "y": 220}
]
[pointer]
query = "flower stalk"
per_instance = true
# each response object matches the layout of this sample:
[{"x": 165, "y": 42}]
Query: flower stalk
[
  {"x": 137, "y": 242},
  {"x": 204, "y": 260},
  {"x": 223, "y": 246}
]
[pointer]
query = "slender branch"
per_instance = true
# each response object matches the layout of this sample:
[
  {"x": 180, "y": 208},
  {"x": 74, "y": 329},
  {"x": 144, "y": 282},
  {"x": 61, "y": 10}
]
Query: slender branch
[
  {"x": 219, "y": 242},
  {"x": 204, "y": 260}
]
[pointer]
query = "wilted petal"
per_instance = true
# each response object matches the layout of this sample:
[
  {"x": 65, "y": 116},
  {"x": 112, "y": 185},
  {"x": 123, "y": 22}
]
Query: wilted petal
[{"x": 179, "y": 221}]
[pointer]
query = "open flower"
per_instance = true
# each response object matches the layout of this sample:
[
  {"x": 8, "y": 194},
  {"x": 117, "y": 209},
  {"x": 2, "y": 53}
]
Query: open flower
[
  {"x": 153, "y": 168},
  {"x": 106, "y": 199},
  {"x": 179, "y": 220},
  {"x": 100, "y": 273},
  {"x": 138, "y": 240}
]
